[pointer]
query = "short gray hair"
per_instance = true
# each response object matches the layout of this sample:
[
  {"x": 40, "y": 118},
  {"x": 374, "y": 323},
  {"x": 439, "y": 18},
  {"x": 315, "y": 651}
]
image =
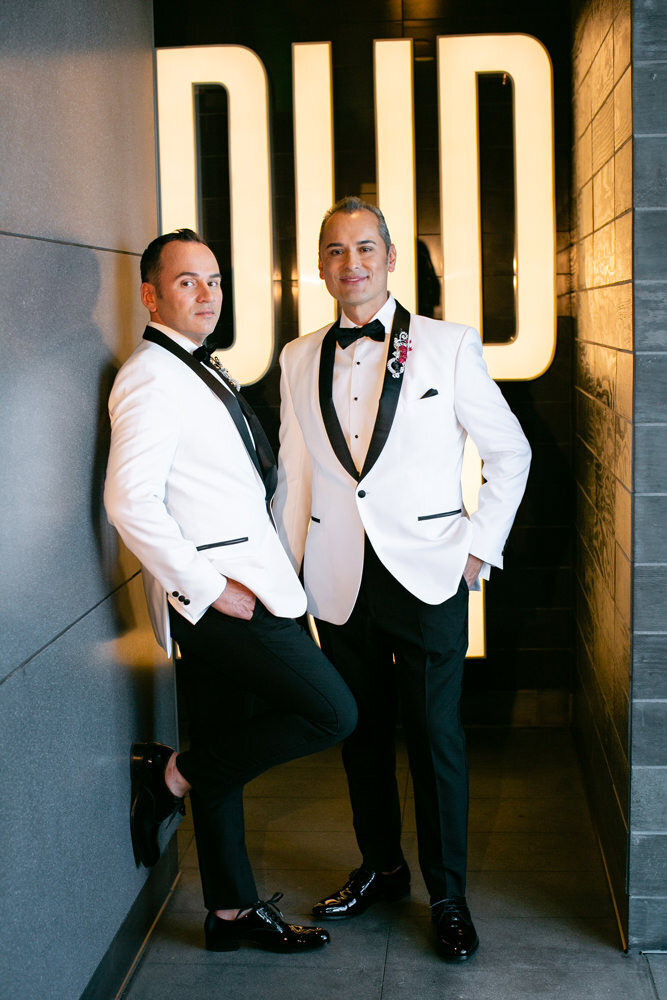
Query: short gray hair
[{"x": 349, "y": 204}]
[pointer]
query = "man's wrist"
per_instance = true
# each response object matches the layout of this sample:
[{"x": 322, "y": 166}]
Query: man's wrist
[
  {"x": 213, "y": 603},
  {"x": 472, "y": 569}
]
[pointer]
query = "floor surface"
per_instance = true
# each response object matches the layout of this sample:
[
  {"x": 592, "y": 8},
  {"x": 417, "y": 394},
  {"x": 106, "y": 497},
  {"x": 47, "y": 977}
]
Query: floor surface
[{"x": 536, "y": 890}]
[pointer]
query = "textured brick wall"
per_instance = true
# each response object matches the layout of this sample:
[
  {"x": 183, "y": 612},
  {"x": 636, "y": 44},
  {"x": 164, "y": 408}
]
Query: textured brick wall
[{"x": 602, "y": 311}]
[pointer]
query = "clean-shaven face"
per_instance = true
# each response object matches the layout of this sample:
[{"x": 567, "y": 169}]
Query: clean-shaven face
[
  {"x": 354, "y": 263},
  {"x": 188, "y": 297}
]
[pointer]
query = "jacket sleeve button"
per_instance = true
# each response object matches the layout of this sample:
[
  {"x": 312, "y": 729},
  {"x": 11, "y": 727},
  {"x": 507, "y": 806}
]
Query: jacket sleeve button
[
  {"x": 186, "y": 600},
  {"x": 174, "y": 593},
  {"x": 361, "y": 493}
]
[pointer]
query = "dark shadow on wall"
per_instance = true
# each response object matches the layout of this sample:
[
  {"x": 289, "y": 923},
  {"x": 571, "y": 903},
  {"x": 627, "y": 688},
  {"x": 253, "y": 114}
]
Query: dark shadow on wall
[
  {"x": 108, "y": 544},
  {"x": 60, "y": 558},
  {"x": 428, "y": 283},
  {"x": 529, "y": 605}
]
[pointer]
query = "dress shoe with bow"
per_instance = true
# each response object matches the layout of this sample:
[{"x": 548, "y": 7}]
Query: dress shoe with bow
[
  {"x": 264, "y": 926},
  {"x": 363, "y": 888},
  {"x": 152, "y": 802},
  {"x": 457, "y": 937}
]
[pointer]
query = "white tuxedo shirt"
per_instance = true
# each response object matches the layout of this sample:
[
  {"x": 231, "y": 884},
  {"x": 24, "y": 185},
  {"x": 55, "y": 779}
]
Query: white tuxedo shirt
[
  {"x": 185, "y": 496},
  {"x": 357, "y": 383},
  {"x": 409, "y": 502}
]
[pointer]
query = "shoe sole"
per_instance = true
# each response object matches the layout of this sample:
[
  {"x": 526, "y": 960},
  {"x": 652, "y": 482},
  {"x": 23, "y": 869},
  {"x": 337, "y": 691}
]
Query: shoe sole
[
  {"x": 146, "y": 850},
  {"x": 457, "y": 958},
  {"x": 224, "y": 946},
  {"x": 235, "y": 943},
  {"x": 358, "y": 911}
]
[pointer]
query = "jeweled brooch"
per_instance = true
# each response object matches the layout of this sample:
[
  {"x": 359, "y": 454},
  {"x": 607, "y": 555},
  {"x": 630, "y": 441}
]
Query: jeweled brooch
[
  {"x": 396, "y": 363},
  {"x": 219, "y": 367}
]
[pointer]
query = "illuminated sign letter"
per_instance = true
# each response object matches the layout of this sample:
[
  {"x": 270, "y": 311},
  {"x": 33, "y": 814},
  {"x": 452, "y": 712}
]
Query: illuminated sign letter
[
  {"x": 525, "y": 60},
  {"x": 313, "y": 174},
  {"x": 529, "y": 353},
  {"x": 395, "y": 159},
  {"x": 460, "y": 60},
  {"x": 242, "y": 73},
  {"x": 313, "y": 158}
]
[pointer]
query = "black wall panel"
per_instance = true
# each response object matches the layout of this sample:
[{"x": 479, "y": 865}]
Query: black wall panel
[{"x": 529, "y": 606}]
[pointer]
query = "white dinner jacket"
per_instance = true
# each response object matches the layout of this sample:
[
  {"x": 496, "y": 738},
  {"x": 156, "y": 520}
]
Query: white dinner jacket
[
  {"x": 185, "y": 496},
  {"x": 408, "y": 497}
]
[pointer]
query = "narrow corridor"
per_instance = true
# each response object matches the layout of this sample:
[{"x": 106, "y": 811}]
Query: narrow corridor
[{"x": 537, "y": 892}]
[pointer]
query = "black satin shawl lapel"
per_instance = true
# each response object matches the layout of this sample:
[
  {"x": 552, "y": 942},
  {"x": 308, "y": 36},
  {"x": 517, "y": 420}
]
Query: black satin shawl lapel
[
  {"x": 229, "y": 398},
  {"x": 262, "y": 446},
  {"x": 391, "y": 389},
  {"x": 329, "y": 415}
]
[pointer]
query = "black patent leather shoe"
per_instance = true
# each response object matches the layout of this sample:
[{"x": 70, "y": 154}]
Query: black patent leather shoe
[
  {"x": 363, "y": 888},
  {"x": 457, "y": 937},
  {"x": 265, "y": 927},
  {"x": 152, "y": 802}
]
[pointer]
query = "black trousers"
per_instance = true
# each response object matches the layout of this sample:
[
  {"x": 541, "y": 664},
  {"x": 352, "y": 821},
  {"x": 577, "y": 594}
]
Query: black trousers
[
  {"x": 259, "y": 693},
  {"x": 428, "y": 644}
]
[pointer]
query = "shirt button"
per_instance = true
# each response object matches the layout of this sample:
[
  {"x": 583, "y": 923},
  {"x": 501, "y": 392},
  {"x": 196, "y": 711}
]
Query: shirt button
[
  {"x": 356, "y": 435},
  {"x": 361, "y": 493},
  {"x": 356, "y": 398},
  {"x": 357, "y": 362}
]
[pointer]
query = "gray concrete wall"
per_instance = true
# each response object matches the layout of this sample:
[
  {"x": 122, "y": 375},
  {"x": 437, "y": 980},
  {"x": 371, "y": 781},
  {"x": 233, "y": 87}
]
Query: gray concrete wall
[
  {"x": 647, "y": 868},
  {"x": 80, "y": 675}
]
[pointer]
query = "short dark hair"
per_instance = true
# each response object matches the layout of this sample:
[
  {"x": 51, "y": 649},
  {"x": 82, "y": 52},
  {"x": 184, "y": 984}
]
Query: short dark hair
[
  {"x": 351, "y": 203},
  {"x": 150, "y": 258}
]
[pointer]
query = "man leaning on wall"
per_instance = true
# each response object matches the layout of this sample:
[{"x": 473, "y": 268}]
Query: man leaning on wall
[{"x": 189, "y": 484}]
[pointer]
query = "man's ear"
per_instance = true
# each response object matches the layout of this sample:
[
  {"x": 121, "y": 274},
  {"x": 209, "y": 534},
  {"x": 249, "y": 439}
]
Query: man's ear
[
  {"x": 149, "y": 296},
  {"x": 319, "y": 267},
  {"x": 391, "y": 258}
]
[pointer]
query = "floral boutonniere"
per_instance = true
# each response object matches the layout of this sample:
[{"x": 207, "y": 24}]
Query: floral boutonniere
[
  {"x": 396, "y": 363},
  {"x": 219, "y": 367}
]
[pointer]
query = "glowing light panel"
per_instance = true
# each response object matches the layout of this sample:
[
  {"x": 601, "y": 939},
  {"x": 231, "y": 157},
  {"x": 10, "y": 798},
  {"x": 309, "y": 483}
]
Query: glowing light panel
[
  {"x": 460, "y": 59},
  {"x": 313, "y": 174},
  {"x": 395, "y": 159},
  {"x": 242, "y": 73},
  {"x": 471, "y": 480}
]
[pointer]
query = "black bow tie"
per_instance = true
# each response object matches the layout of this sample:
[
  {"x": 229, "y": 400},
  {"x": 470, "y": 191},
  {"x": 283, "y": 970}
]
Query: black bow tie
[
  {"x": 374, "y": 330},
  {"x": 203, "y": 354}
]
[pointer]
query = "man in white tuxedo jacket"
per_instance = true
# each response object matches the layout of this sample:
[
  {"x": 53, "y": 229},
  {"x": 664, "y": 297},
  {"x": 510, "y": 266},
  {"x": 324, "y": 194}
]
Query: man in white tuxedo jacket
[
  {"x": 189, "y": 483},
  {"x": 373, "y": 426}
]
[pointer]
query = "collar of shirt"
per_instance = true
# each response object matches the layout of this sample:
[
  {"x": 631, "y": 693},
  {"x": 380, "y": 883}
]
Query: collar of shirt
[
  {"x": 179, "y": 338},
  {"x": 357, "y": 383},
  {"x": 385, "y": 315},
  {"x": 190, "y": 346}
]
